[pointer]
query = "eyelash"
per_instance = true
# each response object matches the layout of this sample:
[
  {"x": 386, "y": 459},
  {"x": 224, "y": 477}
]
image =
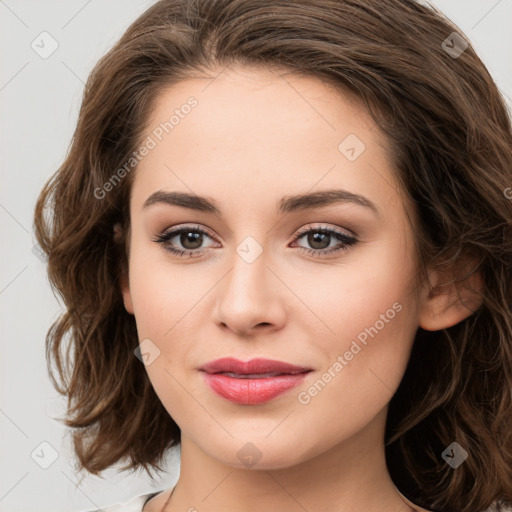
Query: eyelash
[{"x": 164, "y": 239}]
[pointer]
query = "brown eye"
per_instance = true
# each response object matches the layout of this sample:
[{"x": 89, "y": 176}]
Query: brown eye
[
  {"x": 320, "y": 240},
  {"x": 189, "y": 238}
]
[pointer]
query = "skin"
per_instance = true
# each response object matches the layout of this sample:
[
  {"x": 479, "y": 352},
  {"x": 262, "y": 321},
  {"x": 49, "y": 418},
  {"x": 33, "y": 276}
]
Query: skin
[{"x": 255, "y": 137}]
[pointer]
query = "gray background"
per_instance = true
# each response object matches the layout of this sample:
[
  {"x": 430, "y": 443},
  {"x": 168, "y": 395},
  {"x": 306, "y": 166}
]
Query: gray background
[{"x": 39, "y": 101}]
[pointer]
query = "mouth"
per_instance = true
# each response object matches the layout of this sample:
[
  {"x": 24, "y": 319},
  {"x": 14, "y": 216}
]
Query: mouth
[{"x": 253, "y": 382}]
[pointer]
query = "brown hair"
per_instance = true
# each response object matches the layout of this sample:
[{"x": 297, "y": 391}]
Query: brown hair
[{"x": 451, "y": 142}]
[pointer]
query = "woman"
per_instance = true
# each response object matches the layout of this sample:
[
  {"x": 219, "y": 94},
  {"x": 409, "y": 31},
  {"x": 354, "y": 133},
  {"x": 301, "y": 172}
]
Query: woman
[{"x": 283, "y": 237}]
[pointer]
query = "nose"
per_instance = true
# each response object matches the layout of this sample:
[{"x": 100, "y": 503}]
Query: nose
[{"x": 251, "y": 298}]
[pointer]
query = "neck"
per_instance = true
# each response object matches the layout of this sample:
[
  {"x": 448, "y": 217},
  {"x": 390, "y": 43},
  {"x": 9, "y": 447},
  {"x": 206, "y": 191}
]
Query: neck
[{"x": 351, "y": 476}]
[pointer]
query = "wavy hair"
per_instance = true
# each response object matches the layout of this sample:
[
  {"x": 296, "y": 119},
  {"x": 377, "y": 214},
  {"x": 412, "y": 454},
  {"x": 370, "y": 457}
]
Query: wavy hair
[{"x": 451, "y": 141}]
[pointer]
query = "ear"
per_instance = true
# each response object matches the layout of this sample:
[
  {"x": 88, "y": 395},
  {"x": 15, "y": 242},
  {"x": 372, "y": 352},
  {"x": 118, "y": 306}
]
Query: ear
[
  {"x": 448, "y": 300},
  {"x": 124, "y": 280}
]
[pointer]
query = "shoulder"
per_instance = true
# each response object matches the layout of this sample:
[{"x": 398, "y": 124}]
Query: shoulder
[{"x": 132, "y": 505}]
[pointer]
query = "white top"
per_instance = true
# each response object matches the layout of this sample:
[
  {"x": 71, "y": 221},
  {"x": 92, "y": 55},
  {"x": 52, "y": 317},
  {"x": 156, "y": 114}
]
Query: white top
[{"x": 132, "y": 505}]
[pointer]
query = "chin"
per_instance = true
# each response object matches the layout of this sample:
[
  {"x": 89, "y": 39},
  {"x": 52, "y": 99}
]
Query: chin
[{"x": 261, "y": 454}]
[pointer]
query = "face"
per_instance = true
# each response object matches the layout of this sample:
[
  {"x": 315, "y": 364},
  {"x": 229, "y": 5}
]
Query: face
[{"x": 323, "y": 283}]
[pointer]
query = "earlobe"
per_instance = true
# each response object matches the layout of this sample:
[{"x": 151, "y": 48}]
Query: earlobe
[{"x": 449, "y": 301}]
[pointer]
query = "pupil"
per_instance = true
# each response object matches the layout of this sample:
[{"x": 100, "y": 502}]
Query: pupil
[
  {"x": 195, "y": 238},
  {"x": 315, "y": 238}
]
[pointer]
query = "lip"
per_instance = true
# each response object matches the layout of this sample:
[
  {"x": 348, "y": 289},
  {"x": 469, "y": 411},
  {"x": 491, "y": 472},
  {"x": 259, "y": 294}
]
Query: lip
[
  {"x": 254, "y": 366},
  {"x": 267, "y": 379}
]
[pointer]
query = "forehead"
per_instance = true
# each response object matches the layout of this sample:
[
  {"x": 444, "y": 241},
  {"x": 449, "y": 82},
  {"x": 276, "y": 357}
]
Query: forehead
[
  {"x": 239, "y": 97},
  {"x": 262, "y": 133}
]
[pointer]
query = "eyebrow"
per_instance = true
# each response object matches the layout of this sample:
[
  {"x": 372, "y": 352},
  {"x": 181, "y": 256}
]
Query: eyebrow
[{"x": 286, "y": 205}]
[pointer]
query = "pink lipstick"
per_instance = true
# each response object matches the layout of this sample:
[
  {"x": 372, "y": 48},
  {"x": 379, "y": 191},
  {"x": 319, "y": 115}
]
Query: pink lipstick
[{"x": 254, "y": 382}]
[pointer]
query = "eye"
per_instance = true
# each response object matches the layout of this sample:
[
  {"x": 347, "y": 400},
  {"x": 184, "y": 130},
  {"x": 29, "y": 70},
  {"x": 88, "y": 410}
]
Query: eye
[
  {"x": 190, "y": 237},
  {"x": 320, "y": 239}
]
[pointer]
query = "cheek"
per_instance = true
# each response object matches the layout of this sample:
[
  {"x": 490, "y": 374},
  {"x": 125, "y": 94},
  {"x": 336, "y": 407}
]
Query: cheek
[
  {"x": 163, "y": 298},
  {"x": 359, "y": 291},
  {"x": 359, "y": 378},
  {"x": 162, "y": 293},
  {"x": 369, "y": 319}
]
